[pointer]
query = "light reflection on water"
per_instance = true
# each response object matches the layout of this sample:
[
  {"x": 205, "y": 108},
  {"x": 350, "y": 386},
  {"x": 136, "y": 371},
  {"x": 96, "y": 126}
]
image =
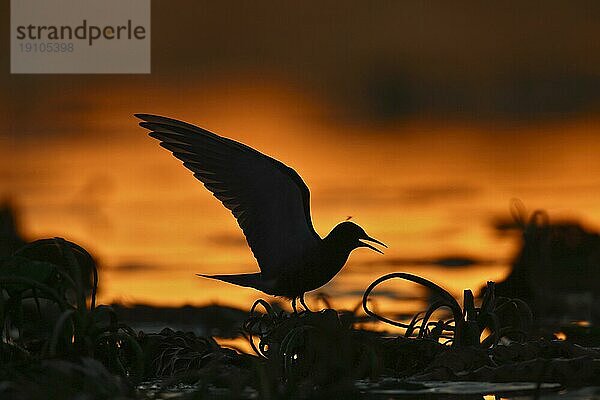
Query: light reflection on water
[{"x": 427, "y": 189}]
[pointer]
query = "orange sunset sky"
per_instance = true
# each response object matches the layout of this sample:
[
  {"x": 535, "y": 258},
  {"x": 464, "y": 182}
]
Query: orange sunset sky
[{"x": 421, "y": 123}]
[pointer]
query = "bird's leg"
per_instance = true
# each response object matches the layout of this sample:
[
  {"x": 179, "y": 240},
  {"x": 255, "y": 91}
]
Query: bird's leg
[
  {"x": 304, "y": 303},
  {"x": 294, "y": 305}
]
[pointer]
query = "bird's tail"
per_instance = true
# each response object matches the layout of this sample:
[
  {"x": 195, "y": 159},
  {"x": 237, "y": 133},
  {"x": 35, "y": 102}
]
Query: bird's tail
[{"x": 247, "y": 280}]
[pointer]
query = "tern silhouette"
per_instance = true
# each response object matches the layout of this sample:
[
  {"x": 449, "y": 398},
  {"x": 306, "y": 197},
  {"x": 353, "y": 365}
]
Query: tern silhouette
[{"x": 272, "y": 206}]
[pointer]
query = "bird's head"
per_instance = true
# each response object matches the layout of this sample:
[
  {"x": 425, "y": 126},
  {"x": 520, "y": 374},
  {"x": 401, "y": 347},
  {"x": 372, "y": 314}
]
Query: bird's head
[{"x": 352, "y": 236}]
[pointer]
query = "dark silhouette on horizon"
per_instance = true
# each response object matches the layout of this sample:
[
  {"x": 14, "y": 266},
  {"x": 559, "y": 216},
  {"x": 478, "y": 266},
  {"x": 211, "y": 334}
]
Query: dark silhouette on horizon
[
  {"x": 271, "y": 204},
  {"x": 11, "y": 238},
  {"x": 557, "y": 269}
]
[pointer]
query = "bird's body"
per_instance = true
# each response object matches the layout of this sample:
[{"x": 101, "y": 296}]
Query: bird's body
[
  {"x": 304, "y": 273},
  {"x": 271, "y": 204}
]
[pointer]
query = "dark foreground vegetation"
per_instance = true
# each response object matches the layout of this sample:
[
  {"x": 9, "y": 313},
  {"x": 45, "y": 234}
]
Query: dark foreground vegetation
[{"x": 57, "y": 343}]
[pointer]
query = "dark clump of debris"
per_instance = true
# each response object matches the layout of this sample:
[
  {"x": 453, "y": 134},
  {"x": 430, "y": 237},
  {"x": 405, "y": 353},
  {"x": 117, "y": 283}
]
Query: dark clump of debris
[
  {"x": 557, "y": 269},
  {"x": 10, "y": 237},
  {"x": 58, "y": 343}
]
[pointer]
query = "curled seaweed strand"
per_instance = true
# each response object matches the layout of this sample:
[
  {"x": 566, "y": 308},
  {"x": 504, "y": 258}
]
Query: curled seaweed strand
[{"x": 445, "y": 297}]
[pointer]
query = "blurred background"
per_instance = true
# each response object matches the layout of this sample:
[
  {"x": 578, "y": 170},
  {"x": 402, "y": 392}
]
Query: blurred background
[{"x": 421, "y": 120}]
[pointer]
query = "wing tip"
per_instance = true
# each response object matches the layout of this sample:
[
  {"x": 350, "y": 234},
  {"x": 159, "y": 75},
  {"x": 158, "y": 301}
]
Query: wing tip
[
  {"x": 144, "y": 117},
  {"x": 147, "y": 121}
]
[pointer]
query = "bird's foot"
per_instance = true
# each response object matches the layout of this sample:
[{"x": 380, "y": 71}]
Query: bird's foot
[{"x": 304, "y": 303}]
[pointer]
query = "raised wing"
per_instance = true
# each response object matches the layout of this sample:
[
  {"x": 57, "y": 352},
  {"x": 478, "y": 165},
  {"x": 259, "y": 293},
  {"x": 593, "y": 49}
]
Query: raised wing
[{"x": 269, "y": 199}]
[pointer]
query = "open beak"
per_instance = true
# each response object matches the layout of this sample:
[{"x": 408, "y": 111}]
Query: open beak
[{"x": 370, "y": 239}]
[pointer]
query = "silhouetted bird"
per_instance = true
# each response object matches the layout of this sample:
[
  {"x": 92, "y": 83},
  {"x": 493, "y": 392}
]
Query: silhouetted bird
[{"x": 272, "y": 206}]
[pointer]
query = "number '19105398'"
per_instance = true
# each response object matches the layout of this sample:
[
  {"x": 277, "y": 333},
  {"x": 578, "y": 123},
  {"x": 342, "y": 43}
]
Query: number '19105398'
[{"x": 47, "y": 47}]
